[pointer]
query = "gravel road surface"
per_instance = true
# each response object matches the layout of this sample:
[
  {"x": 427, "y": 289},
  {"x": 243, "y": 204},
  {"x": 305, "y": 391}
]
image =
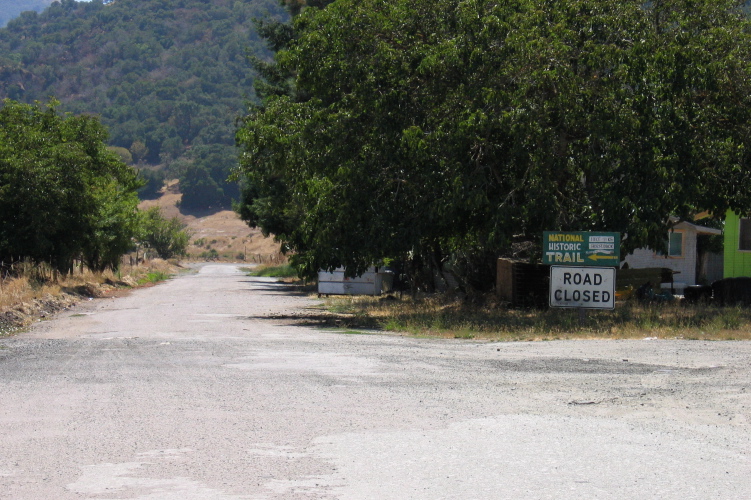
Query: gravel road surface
[{"x": 195, "y": 389}]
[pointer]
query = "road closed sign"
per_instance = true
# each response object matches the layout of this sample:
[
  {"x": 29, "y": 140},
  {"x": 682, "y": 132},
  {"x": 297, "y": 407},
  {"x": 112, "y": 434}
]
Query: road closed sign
[{"x": 582, "y": 287}]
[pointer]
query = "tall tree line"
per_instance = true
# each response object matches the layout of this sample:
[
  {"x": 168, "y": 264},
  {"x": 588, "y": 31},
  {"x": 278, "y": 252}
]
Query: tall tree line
[
  {"x": 440, "y": 132},
  {"x": 66, "y": 196},
  {"x": 63, "y": 194}
]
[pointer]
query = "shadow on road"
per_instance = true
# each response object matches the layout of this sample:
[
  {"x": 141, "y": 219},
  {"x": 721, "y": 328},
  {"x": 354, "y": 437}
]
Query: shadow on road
[
  {"x": 321, "y": 319},
  {"x": 280, "y": 288},
  {"x": 306, "y": 317}
]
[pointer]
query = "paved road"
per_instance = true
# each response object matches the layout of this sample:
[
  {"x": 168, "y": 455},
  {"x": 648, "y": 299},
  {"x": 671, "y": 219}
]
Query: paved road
[{"x": 192, "y": 390}]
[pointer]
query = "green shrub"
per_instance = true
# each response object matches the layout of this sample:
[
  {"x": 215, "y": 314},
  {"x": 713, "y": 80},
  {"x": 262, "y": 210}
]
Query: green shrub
[
  {"x": 284, "y": 271},
  {"x": 211, "y": 254},
  {"x": 153, "y": 277},
  {"x": 168, "y": 237}
]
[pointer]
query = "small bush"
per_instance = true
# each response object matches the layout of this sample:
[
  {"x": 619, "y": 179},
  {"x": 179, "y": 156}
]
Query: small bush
[
  {"x": 168, "y": 237},
  {"x": 211, "y": 254},
  {"x": 153, "y": 277}
]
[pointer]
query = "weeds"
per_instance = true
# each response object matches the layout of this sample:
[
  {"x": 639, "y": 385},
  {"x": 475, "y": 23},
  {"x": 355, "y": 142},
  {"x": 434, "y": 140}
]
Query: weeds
[
  {"x": 31, "y": 283},
  {"x": 32, "y": 291},
  {"x": 440, "y": 317},
  {"x": 153, "y": 277},
  {"x": 21, "y": 289}
]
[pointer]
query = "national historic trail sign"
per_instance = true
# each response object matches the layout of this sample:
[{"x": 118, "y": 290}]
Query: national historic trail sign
[
  {"x": 582, "y": 268},
  {"x": 581, "y": 248}
]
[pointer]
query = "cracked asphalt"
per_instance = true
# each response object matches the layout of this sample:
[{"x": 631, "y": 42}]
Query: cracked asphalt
[{"x": 202, "y": 388}]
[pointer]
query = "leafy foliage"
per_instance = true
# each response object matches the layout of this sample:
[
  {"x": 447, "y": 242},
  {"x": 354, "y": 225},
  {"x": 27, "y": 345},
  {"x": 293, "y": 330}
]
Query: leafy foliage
[
  {"x": 63, "y": 194},
  {"x": 440, "y": 131},
  {"x": 153, "y": 183}
]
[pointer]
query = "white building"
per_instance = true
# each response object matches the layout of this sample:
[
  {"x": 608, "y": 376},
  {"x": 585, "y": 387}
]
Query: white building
[{"x": 681, "y": 256}]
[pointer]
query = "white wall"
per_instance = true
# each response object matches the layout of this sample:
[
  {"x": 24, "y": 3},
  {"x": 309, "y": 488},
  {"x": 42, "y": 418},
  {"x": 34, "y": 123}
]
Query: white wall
[{"x": 685, "y": 265}]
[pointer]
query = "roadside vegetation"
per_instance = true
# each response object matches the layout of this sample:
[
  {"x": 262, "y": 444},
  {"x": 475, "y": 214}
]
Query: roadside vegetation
[
  {"x": 273, "y": 271},
  {"x": 65, "y": 197},
  {"x": 32, "y": 292},
  {"x": 167, "y": 237},
  {"x": 153, "y": 277},
  {"x": 439, "y": 317},
  {"x": 436, "y": 135}
]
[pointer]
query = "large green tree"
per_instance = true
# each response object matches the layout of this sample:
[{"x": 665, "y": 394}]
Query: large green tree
[
  {"x": 63, "y": 194},
  {"x": 442, "y": 130}
]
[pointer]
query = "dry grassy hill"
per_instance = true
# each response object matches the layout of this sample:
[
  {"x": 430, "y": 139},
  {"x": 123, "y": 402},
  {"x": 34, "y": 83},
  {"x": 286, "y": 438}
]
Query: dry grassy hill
[{"x": 217, "y": 235}]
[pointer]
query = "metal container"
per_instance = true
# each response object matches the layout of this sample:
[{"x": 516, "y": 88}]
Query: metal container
[{"x": 335, "y": 283}]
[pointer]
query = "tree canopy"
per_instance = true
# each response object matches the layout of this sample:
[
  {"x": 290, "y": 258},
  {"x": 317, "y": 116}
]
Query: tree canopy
[
  {"x": 442, "y": 131},
  {"x": 167, "y": 237},
  {"x": 63, "y": 194}
]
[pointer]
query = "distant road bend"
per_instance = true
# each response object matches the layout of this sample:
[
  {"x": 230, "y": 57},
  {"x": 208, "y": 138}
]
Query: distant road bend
[{"x": 194, "y": 390}]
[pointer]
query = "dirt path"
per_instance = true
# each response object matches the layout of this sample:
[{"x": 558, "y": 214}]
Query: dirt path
[{"x": 193, "y": 390}]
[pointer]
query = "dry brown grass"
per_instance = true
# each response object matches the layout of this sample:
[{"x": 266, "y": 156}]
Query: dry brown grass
[
  {"x": 14, "y": 291},
  {"x": 441, "y": 318},
  {"x": 162, "y": 266},
  {"x": 219, "y": 235},
  {"x": 35, "y": 292},
  {"x": 37, "y": 282}
]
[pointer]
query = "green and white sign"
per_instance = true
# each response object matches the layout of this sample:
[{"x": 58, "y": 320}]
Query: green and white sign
[{"x": 581, "y": 248}]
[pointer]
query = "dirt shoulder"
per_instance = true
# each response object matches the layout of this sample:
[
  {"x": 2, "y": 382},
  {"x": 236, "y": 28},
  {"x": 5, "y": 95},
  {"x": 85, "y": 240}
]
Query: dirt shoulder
[
  {"x": 22, "y": 315},
  {"x": 28, "y": 302}
]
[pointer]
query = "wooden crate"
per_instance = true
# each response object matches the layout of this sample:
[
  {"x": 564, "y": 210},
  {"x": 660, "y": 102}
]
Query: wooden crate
[{"x": 523, "y": 284}]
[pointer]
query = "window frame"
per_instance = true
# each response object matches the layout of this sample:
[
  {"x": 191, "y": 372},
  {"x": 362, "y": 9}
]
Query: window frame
[
  {"x": 682, "y": 243},
  {"x": 667, "y": 254}
]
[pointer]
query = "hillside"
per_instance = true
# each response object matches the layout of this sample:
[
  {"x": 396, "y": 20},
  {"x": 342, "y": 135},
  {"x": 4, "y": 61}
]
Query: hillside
[
  {"x": 219, "y": 235},
  {"x": 167, "y": 77}
]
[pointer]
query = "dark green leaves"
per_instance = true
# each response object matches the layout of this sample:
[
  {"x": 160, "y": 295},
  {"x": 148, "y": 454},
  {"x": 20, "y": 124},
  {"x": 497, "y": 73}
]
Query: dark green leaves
[
  {"x": 445, "y": 128},
  {"x": 63, "y": 195}
]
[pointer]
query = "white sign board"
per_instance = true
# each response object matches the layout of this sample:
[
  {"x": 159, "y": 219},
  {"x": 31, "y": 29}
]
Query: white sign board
[{"x": 584, "y": 287}]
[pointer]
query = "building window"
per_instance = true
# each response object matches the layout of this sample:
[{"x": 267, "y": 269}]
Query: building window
[
  {"x": 675, "y": 244},
  {"x": 744, "y": 235}
]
